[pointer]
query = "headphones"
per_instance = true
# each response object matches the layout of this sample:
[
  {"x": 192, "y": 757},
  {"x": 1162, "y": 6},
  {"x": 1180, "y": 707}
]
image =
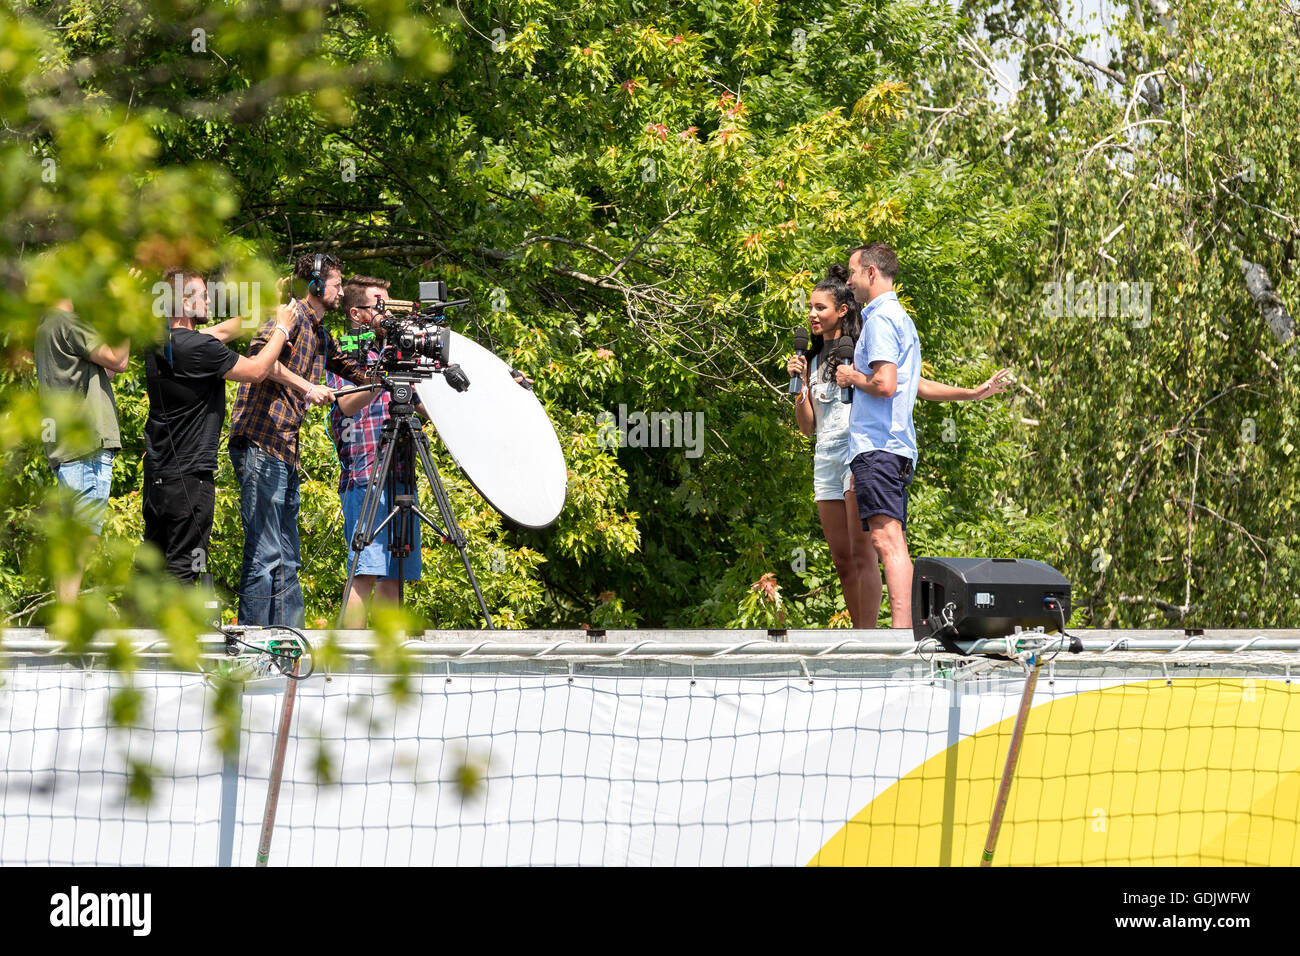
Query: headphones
[{"x": 316, "y": 285}]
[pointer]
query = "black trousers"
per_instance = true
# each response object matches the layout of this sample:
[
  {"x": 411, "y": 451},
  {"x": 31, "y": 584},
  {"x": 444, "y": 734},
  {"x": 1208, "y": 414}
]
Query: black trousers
[{"x": 178, "y": 521}]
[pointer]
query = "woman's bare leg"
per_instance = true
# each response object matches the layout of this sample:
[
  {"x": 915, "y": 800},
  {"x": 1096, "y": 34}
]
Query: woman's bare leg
[{"x": 837, "y": 536}]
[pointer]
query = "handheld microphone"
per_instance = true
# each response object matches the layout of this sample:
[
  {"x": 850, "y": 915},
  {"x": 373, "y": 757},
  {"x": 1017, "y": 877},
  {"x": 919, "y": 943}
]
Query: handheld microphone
[
  {"x": 844, "y": 347},
  {"x": 800, "y": 345},
  {"x": 455, "y": 377}
]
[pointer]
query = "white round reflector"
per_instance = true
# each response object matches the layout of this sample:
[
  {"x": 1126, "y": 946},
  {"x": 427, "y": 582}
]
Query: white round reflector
[{"x": 499, "y": 435}]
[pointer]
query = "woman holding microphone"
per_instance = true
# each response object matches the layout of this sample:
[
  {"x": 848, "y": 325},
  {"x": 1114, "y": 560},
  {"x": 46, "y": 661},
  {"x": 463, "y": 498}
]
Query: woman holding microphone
[{"x": 832, "y": 313}]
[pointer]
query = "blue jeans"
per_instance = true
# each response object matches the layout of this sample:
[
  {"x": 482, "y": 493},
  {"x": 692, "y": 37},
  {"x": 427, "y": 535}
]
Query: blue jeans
[
  {"x": 269, "y": 592},
  {"x": 92, "y": 479}
]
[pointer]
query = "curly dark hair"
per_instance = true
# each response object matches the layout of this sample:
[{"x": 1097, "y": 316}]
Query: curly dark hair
[
  {"x": 836, "y": 283},
  {"x": 302, "y": 268}
]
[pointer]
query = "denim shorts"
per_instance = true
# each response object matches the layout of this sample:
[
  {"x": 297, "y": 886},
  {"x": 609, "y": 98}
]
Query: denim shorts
[
  {"x": 376, "y": 559},
  {"x": 880, "y": 480},
  {"x": 831, "y": 472},
  {"x": 831, "y": 458},
  {"x": 91, "y": 478}
]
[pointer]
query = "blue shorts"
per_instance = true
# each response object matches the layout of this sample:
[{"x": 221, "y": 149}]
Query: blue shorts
[
  {"x": 91, "y": 478},
  {"x": 376, "y": 559},
  {"x": 880, "y": 480}
]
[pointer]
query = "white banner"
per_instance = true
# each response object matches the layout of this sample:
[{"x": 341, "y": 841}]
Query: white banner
[{"x": 493, "y": 770}]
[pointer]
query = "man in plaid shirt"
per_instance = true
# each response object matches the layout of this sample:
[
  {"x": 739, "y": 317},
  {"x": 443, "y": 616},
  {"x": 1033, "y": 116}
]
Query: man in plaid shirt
[
  {"x": 356, "y": 422},
  {"x": 264, "y": 447}
]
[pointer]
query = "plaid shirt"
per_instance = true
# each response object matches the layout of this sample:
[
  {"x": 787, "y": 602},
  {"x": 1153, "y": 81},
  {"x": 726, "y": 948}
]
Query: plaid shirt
[
  {"x": 357, "y": 438},
  {"x": 269, "y": 414}
]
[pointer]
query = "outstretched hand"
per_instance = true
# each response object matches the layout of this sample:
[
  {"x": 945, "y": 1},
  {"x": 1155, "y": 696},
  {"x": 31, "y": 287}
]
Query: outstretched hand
[{"x": 999, "y": 382}]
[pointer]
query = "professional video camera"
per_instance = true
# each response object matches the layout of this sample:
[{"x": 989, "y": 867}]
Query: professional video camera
[{"x": 411, "y": 337}]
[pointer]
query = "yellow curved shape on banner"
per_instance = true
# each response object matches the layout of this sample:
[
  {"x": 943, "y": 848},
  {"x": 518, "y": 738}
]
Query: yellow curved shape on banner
[{"x": 1203, "y": 771}]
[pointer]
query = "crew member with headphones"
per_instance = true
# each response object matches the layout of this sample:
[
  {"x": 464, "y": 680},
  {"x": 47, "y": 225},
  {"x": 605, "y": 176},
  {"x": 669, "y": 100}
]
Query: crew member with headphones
[
  {"x": 264, "y": 445},
  {"x": 185, "y": 378}
]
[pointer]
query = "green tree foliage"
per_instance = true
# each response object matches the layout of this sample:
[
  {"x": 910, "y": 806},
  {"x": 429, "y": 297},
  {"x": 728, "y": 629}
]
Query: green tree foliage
[
  {"x": 637, "y": 196},
  {"x": 1168, "y": 434},
  {"x": 96, "y": 203}
]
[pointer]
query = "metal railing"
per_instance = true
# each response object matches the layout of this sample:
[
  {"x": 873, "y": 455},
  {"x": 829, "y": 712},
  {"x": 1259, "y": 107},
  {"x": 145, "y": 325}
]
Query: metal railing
[{"x": 702, "y": 644}]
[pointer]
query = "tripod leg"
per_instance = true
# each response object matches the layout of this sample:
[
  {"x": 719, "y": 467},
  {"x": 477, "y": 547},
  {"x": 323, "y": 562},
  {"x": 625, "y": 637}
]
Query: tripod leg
[
  {"x": 403, "y": 524},
  {"x": 356, "y": 559},
  {"x": 356, "y": 553},
  {"x": 347, "y": 588},
  {"x": 421, "y": 441},
  {"x": 363, "y": 534}
]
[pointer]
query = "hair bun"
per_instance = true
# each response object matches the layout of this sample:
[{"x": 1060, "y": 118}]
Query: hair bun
[{"x": 837, "y": 272}]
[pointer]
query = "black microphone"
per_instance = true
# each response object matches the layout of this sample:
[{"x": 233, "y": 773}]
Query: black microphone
[
  {"x": 456, "y": 377},
  {"x": 800, "y": 346},
  {"x": 844, "y": 347}
]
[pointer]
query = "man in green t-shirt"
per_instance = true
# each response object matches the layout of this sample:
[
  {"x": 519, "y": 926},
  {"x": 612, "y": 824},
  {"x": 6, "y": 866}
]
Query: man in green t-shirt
[{"x": 71, "y": 359}]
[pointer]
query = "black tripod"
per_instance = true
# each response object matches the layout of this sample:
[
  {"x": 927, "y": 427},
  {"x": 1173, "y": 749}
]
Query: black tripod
[{"x": 401, "y": 439}]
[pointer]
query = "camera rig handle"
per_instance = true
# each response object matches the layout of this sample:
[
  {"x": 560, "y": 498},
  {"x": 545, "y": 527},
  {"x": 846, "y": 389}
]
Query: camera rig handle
[
  {"x": 353, "y": 389},
  {"x": 428, "y": 310}
]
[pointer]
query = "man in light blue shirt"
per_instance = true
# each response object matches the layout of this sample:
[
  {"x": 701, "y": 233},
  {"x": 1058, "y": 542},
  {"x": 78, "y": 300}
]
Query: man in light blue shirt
[{"x": 885, "y": 377}]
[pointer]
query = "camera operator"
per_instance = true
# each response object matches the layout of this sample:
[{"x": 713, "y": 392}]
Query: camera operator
[
  {"x": 185, "y": 378},
  {"x": 264, "y": 446},
  {"x": 356, "y": 422}
]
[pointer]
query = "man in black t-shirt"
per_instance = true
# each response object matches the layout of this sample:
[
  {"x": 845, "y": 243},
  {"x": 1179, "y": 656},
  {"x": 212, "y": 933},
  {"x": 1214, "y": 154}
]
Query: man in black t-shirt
[{"x": 186, "y": 378}]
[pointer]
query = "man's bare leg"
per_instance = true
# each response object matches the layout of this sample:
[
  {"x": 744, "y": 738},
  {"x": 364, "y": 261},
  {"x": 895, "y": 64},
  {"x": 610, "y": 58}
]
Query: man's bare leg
[
  {"x": 887, "y": 538},
  {"x": 354, "y": 615},
  {"x": 386, "y": 591}
]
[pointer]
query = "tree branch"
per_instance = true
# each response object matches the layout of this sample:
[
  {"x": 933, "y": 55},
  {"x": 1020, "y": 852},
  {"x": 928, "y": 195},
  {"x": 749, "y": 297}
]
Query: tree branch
[{"x": 1266, "y": 299}]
